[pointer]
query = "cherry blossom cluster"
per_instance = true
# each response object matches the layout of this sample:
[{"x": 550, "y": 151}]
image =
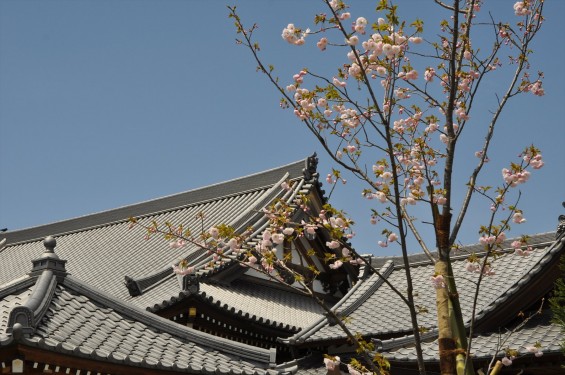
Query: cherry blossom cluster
[
  {"x": 488, "y": 240},
  {"x": 521, "y": 246},
  {"x": 391, "y": 237},
  {"x": 294, "y": 35},
  {"x": 518, "y": 174},
  {"x": 521, "y": 8},
  {"x": 476, "y": 268}
]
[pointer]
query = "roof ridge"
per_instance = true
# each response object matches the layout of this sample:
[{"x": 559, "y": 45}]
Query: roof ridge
[
  {"x": 304, "y": 334},
  {"x": 148, "y": 207},
  {"x": 506, "y": 247},
  {"x": 23, "y": 320},
  {"x": 384, "y": 272}
]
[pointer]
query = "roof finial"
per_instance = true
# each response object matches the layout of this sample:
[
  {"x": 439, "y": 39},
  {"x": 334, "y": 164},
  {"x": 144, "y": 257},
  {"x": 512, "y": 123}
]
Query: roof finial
[
  {"x": 311, "y": 166},
  {"x": 50, "y": 242},
  {"x": 49, "y": 260}
]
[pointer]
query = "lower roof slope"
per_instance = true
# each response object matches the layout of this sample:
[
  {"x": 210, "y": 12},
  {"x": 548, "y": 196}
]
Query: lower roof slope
[
  {"x": 54, "y": 312},
  {"x": 374, "y": 310},
  {"x": 255, "y": 301},
  {"x": 539, "y": 329}
]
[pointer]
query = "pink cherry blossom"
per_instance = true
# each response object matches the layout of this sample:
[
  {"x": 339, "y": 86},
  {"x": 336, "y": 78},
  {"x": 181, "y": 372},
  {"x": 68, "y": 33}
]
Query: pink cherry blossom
[
  {"x": 386, "y": 175},
  {"x": 180, "y": 270},
  {"x": 506, "y": 361},
  {"x": 429, "y": 74},
  {"x": 360, "y": 25},
  {"x": 518, "y": 218},
  {"x": 288, "y": 231},
  {"x": 521, "y": 8},
  {"x": 411, "y": 75},
  {"x": 277, "y": 238},
  {"x": 534, "y": 349},
  {"x": 322, "y": 44},
  {"x": 333, "y": 363},
  {"x": 438, "y": 282},
  {"x": 214, "y": 232},
  {"x": 333, "y": 244},
  {"x": 472, "y": 267},
  {"x": 487, "y": 240},
  {"x": 335, "y": 265},
  {"x": 352, "y": 40},
  {"x": 523, "y": 252},
  {"x": 392, "y": 237},
  {"x": 357, "y": 261},
  {"x": 339, "y": 83},
  {"x": 293, "y": 35},
  {"x": 177, "y": 244},
  {"x": 233, "y": 244},
  {"x": 380, "y": 196}
]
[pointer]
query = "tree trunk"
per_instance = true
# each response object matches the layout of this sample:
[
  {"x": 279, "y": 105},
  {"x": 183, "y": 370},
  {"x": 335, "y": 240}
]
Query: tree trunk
[{"x": 445, "y": 337}]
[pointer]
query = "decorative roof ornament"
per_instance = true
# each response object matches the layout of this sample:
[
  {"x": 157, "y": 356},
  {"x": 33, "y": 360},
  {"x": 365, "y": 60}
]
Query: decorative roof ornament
[
  {"x": 310, "y": 172},
  {"x": 49, "y": 260},
  {"x": 561, "y": 224},
  {"x": 189, "y": 283}
]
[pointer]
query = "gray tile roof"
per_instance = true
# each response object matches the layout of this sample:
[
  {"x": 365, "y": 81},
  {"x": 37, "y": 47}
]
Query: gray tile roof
[
  {"x": 257, "y": 302},
  {"x": 85, "y": 323},
  {"x": 380, "y": 312},
  {"x": 538, "y": 329},
  {"x": 100, "y": 249},
  {"x": 264, "y": 303}
]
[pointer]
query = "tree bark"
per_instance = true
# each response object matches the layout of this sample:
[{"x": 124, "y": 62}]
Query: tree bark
[{"x": 445, "y": 337}]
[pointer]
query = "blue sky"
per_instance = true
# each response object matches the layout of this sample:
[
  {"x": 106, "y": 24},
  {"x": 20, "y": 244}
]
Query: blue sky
[{"x": 110, "y": 103}]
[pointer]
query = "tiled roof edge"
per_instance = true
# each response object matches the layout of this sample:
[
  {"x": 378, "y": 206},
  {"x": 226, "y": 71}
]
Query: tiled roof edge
[
  {"x": 16, "y": 285},
  {"x": 209, "y": 299},
  {"x": 255, "y": 354},
  {"x": 307, "y": 332},
  {"x": 420, "y": 259},
  {"x": 554, "y": 250},
  {"x": 385, "y": 272},
  {"x": 400, "y": 342},
  {"x": 24, "y": 319},
  {"x": 153, "y": 206}
]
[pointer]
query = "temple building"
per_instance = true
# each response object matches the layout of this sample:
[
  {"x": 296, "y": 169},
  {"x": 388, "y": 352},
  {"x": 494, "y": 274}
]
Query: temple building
[{"x": 92, "y": 296}]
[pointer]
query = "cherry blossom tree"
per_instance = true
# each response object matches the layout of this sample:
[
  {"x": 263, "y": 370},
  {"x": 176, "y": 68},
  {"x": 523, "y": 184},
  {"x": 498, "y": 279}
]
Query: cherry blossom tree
[{"x": 395, "y": 113}]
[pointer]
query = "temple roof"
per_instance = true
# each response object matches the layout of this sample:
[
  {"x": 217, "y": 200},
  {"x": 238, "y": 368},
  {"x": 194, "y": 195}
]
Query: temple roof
[
  {"x": 373, "y": 310},
  {"x": 101, "y": 250},
  {"x": 539, "y": 329},
  {"x": 53, "y": 311}
]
